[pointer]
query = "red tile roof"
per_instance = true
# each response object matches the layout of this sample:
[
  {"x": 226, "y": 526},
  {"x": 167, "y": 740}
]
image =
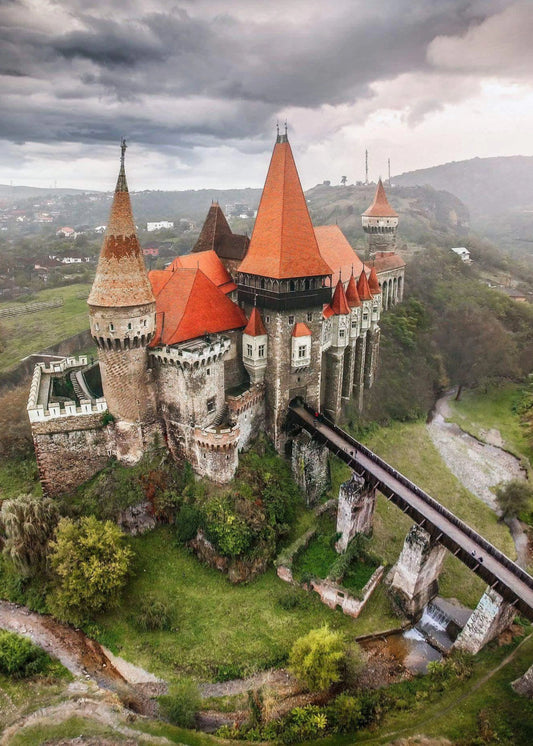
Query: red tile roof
[
  {"x": 327, "y": 312},
  {"x": 339, "y": 304},
  {"x": 362, "y": 287},
  {"x": 301, "y": 330},
  {"x": 352, "y": 296},
  {"x": 373, "y": 282},
  {"x": 121, "y": 279},
  {"x": 255, "y": 326},
  {"x": 380, "y": 207},
  {"x": 216, "y": 235},
  {"x": 385, "y": 260},
  {"x": 210, "y": 264},
  {"x": 189, "y": 305},
  {"x": 337, "y": 252},
  {"x": 283, "y": 243}
]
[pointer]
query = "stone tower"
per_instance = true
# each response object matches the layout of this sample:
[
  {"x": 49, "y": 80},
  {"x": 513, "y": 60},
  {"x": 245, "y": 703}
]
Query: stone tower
[
  {"x": 122, "y": 320},
  {"x": 285, "y": 277},
  {"x": 380, "y": 222}
]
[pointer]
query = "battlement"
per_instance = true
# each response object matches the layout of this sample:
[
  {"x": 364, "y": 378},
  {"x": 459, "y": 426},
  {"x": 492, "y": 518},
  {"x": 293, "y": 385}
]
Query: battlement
[
  {"x": 217, "y": 439},
  {"x": 246, "y": 400},
  {"x": 193, "y": 354}
]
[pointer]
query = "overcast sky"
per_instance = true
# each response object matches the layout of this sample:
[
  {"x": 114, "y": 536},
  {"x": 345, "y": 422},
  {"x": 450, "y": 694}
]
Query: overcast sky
[{"x": 196, "y": 86}]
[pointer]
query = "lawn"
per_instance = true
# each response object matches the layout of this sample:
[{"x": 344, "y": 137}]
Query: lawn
[
  {"x": 219, "y": 629},
  {"x": 409, "y": 449},
  {"x": 483, "y": 409},
  {"x": 36, "y": 331},
  {"x": 18, "y": 477}
]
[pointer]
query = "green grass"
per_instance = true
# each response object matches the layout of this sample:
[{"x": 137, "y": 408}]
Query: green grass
[
  {"x": 480, "y": 410},
  {"x": 358, "y": 576},
  {"x": 240, "y": 628},
  {"x": 73, "y": 727},
  {"x": 34, "y": 332},
  {"x": 19, "y": 476}
]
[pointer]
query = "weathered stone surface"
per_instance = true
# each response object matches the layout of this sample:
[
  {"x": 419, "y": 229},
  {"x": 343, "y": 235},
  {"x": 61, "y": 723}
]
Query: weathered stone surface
[
  {"x": 138, "y": 519},
  {"x": 490, "y": 617},
  {"x": 524, "y": 685},
  {"x": 310, "y": 467},
  {"x": 414, "y": 578},
  {"x": 248, "y": 411},
  {"x": 237, "y": 570},
  {"x": 334, "y": 595},
  {"x": 355, "y": 513}
]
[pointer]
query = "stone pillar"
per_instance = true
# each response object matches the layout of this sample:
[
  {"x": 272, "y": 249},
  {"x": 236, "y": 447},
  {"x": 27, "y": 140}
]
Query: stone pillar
[
  {"x": 348, "y": 372},
  {"x": 359, "y": 371},
  {"x": 490, "y": 617},
  {"x": 334, "y": 369},
  {"x": 415, "y": 575},
  {"x": 310, "y": 467},
  {"x": 371, "y": 356},
  {"x": 355, "y": 513},
  {"x": 524, "y": 685}
]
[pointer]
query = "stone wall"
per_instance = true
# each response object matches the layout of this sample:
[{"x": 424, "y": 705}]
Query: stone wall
[
  {"x": 237, "y": 570},
  {"x": 334, "y": 595},
  {"x": 355, "y": 513},
  {"x": 235, "y": 373},
  {"x": 71, "y": 450},
  {"x": 310, "y": 467},
  {"x": 248, "y": 411},
  {"x": 490, "y": 617}
]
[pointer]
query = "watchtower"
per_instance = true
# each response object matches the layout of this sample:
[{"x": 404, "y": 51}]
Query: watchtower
[{"x": 380, "y": 223}]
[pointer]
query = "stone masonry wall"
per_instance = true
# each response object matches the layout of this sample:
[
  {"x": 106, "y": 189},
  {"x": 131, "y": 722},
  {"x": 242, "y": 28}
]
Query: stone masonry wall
[
  {"x": 355, "y": 513},
  {"x": 248, "y": 411},
  {"x": 235, "y": 373},
  {"x": 490, "y": 617},
  {"x": 310, "y": 467}
]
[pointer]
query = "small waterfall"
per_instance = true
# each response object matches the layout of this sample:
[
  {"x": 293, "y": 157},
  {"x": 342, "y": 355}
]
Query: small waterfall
[{"x": 434, "y": 617}]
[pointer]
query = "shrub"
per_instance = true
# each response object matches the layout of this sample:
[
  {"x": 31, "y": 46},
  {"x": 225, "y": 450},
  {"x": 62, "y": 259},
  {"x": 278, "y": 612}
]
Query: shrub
[
  {"x": 28, "y": 524},
  {"x": 19, "y": 657},
  {"x": 91, "y": 565},
  {"x": 290, "y": 600},
  {"x": 352, "y": 664},
  {"x": 316, "y": 658},
  {"x": 514, "y": 497},
  {"x": 226, "y": 528},
  {"x": 154, "y": 614},
  {"x": 181, "y": 704},
  {"x": 187, "y": 523},
  {"x": 346, "y": 713}
]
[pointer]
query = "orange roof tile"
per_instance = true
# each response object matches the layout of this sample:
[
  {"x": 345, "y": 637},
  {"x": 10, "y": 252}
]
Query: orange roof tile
[
  {"x": 362, "y": 287},
  {"x": 328, "y": 312},
  {"x": 385, "y": 260},
  {"x": 339, "y": 304},
  {"x": 337, "y": 252},
  {"x": 373, "y": 282},
  {"x": 255, "y": 327},
  {"x": 189, "y": 305},
  {"x": 380, "y": 207},
  {"x": 121, "y": 279},
  {"x": 283, "y": 242},
  {"x": 352, "y": 296},
  {"x": 210, "y": 264},
  {"x": 301, "y": 330}
]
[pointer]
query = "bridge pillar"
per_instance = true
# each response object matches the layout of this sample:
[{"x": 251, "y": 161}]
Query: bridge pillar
[
  {"x": 359, "y": 371},
  {"x": 355, "y": 512},
  {"x": 524, "y": 685},
  {"x": 310, "y": 467},
  {"x": 415, "y": 576},
  {"x": 490, "y": 617}
]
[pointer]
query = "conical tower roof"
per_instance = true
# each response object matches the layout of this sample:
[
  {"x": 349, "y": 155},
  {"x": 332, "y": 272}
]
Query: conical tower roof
[
  {"x": 121, "y": 279},
  {"x": 255, "y": 326},
  {"x": 373, "y": 282},
  {"x": 283, "y": 243},
  {"x": 214, "y": 228},
  {"x": 339, "y": 304},
  {"x": 352, "y": 296},
  {"x": 380, "y": 207},
  {"x": 362, "y": 287}
]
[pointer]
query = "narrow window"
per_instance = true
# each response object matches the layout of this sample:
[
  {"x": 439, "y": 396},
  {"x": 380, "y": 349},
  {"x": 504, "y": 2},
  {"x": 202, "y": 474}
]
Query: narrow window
[
  {"x": 129, "y": 326},
  {"x": 291, "y": 320},
  {"x": 249, "y": 350},
  {"x": 341, "y": 333},
  {"x": 302, "y": 350},
  {"x": 111, "y": 327},
  {"x": 211, "y": 404},
  {"x": 267, "y": 319},
  {"x": 309, "y": 317},
  {"x": 261, "y": 351}
]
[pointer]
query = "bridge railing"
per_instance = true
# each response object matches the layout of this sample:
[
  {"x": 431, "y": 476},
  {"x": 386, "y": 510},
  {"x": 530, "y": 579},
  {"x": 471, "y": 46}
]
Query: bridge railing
[{"x": 465, "y": 528}]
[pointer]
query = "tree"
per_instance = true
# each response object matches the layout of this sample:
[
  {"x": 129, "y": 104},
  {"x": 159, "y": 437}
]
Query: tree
[
  {"x": 316, "y": 658},
  {"x": 514, "y": 497},
  {"x": 28, "y": 524},
  {"x": 91, "y": 564},
  {"x": 344, "y": 179}
]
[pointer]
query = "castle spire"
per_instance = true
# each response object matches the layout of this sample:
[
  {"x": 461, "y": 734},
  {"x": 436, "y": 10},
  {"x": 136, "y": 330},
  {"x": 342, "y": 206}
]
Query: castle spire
[
  {"x": 121, "y": 279},
  {"x": 363, "y": 289},
  {"x": 339, "y": 304},
  {"x": 373, "y": 282},
  {"x": 380, "y": 206},
  {"x": 352, "y": 296}
]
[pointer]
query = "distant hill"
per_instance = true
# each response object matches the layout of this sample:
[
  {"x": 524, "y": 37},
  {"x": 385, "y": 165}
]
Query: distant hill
[{"x": 487, "y": 186}]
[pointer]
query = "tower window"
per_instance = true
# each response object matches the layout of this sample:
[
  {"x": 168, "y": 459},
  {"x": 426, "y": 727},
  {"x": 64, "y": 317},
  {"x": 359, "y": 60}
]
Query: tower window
[
  {"x": 302, "y": 351},
  {"x": 267, "y": 319},
  {"x": 129, "y": 325},
  {"x": 341, "y": 333},
  {"x": 211, "y": 404},
  {"x": 292, "y": 286},
  {"x": 261, "y": 351},
  {"x": 309, "y": 317},
  {"x": 111, "y": 327},
  {"x": 208, "y": 371},
  {"x": 291, "y": 320},
  {"x": 97, "y": 327},
  {"x": 249, "y": 350}
]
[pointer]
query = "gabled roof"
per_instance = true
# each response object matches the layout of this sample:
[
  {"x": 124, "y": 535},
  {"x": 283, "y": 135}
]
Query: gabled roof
[
  {"x": 339, "y": 304},
  {"x": 189, "y": 305},
  {"x": 283, "y": 243},
  {"x": 121, "y": 279},
  {"x": 214, "y": 227},
  {"x": 255, "y": 326},
  {"x": 362, "y": 287},
  {"x": 385, "y": 260},
  {"x": 301, "y": 330},
  {"x": 380, "y": 207},
  {"x": 210, "y": 265},
  {"x": 373, "y": 282},
  {"x": 337, "y": 252},
  {"x": 352, "y": 296}
]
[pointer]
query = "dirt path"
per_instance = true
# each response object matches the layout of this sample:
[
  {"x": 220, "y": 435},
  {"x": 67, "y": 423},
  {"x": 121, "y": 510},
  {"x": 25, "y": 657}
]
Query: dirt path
[{"x": 478, "y": 466}]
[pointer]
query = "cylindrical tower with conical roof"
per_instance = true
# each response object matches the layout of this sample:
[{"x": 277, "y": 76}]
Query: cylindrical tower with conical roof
[
  {"x": 122, "y": 319},
  {"x": 380, "y": 223}
]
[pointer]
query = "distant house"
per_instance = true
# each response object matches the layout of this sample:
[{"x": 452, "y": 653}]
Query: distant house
[
  {"x": 514, "y": 294},
  {"x": 66, "y": 232},
  {"x": 161, "y": 225},
  {"x": 100, "y": 229},
  {"x": 463, "y": 253},
  {"x": 151, "y": 251}
]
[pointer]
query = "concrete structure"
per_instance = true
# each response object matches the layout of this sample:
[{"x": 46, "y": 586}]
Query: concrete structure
[
  {"x": 490, "y": 617},
  {"x": 414, "y": 578},
  {"x": 210, "y": 351},
  {"x": 355, "y": 514}
]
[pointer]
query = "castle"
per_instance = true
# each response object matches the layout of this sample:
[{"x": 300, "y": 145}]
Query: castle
[{"x": 210, "y": 351}]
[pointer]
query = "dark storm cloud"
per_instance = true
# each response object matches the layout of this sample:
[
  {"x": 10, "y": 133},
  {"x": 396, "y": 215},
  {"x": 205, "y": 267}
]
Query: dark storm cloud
[{"x": 227, "y": 74}]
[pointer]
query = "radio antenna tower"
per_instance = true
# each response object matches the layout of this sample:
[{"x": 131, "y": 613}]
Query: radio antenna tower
[
  {"x": 366, "y": 166},
  {"x": 389, "y": 170}
]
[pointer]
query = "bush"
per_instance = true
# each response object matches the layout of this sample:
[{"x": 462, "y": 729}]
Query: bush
[
  {"x": 28, "y": 524},
  {"x": 514, "y": 497},
  {"x": 181, "y": 704},
  {"x": 290, "y": 600},
  {"x": 346, "y": 713},
  {"x": 19, "y": 657},
  {"x": 316, "y": 658},
  {"x": 91, "y": 565},
  {"x": 154, "y": 614},
  {"x": 187, "y": 523}
]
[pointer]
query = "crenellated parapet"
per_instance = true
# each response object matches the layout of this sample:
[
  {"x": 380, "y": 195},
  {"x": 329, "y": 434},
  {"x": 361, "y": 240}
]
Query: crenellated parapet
[
  {"x": 190, "y": 355},
  {"x": 217, "y": 439}
]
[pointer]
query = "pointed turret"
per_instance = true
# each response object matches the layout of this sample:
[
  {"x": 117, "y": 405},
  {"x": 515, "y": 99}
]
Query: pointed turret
[
  {"x": 283, "y": 243},
  {"x": 339, "y": 303},
  {"x": 363, "y": 289},
  {"x": 255, "y": 326},
  {"x": 373, "y": 282},
  {"x": 121, "y": 278},
  {"x": 352, "y": 296},
  {"x": 380, "y": 207},
  {"x": 380, "y": 222}
]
